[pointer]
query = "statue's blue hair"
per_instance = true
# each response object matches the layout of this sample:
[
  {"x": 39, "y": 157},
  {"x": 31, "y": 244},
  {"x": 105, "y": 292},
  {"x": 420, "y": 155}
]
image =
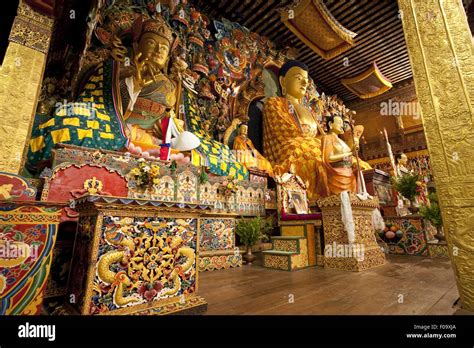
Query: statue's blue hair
[{"x": 290, "y": 64}]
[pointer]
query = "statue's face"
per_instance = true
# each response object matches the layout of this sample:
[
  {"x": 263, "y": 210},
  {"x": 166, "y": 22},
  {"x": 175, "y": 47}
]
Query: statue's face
[
  {"x": 243, "y": 130},
  {"x": 295, "y": 82},
  {"x": 337, "y": 126},
  {"x": 154, "y": 47},
  {"x": 403, "y": 159},
  {"x": 292, "y": 168}
]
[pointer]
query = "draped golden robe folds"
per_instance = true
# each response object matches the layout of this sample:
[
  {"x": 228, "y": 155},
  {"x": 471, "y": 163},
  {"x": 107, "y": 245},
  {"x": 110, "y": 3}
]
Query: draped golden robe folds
[
  {"x": 337, "y": 177},
  {"x": 285, "y": 143}
]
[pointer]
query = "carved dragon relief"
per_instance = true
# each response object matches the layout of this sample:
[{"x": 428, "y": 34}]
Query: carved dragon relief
[{"x": 148, "y": 260}]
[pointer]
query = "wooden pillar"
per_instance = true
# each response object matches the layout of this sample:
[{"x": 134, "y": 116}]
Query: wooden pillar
[
  {"x": 21, "y": 76},
  {"x": 441, "y": 53}
]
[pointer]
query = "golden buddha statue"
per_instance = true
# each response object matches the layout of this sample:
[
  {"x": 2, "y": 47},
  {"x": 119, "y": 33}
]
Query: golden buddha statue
[
  {"x": 148, "y": 95},
  {"x": 291, "y": 131},
  {"x": 127, "y": 102},
  {"x": 247, "y": 154},
  {"x": 351, "y": 136},
  {"x": 338, "y": 159}
]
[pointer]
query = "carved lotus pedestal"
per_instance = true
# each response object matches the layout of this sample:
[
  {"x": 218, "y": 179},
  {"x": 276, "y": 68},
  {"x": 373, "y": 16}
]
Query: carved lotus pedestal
[
  {"x": 135, "y": 256},
  {"x": 364, "y": 252}
]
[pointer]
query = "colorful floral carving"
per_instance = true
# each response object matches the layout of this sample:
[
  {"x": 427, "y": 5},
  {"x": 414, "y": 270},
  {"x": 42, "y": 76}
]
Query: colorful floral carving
[
  {"x": 143, "y": 260},
  {"x": 217, "y": 234}
]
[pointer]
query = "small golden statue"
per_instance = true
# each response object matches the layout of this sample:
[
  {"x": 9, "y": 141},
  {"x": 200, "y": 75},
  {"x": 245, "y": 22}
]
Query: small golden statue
[
  {"x": 338, "y": 159},
  {"x": 351, "y": 136},
  {"x": 247, "y": 154}
]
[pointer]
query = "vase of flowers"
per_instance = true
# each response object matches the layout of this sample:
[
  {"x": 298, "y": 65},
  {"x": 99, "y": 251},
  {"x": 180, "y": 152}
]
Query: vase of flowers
[
  {"x": 408, "y": 186},
  {"x": 146, "y": 177},
  {"x": 250, "y": 232},
  {"x": 432, "y": 213}
]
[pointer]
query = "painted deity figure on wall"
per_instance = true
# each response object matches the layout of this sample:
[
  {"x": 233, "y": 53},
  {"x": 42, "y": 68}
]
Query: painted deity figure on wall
[
  {"x": 126, "y": 103},
  {"x": 292, "y": 134}
]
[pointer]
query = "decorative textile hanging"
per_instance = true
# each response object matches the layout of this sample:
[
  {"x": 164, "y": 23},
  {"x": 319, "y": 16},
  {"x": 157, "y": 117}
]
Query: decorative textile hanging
[{"x": 368, "y": 84}]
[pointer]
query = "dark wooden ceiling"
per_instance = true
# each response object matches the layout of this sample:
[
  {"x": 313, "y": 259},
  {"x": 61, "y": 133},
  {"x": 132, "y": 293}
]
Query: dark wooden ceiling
[{"x": 380, "y": 37}]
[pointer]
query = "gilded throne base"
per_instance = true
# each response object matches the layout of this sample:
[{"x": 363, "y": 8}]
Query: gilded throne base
[{"x": 335, "y": 234}]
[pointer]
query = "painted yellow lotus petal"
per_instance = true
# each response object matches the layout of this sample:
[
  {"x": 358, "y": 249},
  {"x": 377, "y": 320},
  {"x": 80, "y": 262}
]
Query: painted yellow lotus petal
[{"x": 3, "y": 284}]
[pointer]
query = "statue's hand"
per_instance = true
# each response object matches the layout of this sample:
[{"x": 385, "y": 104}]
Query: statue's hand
[
  {"x": 127, "y": 71},
  {"x": 356, "y": 146},
  {"x": 139, "y": 69}
]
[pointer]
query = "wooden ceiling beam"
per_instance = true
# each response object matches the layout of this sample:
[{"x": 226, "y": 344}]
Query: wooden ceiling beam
[
  {"x": 233, "y": 12},
  {"x": 365, "y": 38},
  {"x": 344, "y": 6},
  {"x": 369, "y": 33},
  {"x": 334, "y": 6},
  {"x": 375, "y": 51},
  {"x": 269, "y": 26},
  {"x": 256, "y": 17},
  {"x": 252, "y": 11},
  {"x": 352, "y": 19},
  {"x": 274, "y": 23}
]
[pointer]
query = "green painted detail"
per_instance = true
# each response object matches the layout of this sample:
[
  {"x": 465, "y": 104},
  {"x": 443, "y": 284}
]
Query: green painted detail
[
  {"x": 219, "y": 157},
  {"x": 38, "y": 280},
  {"x": 86, "y": 111}
]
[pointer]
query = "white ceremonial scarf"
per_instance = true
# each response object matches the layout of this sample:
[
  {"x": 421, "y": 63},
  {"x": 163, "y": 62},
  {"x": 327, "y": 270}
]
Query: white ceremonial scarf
[
  {"x": 347, "y": 218},
  {"x": 133, "y": 95}
]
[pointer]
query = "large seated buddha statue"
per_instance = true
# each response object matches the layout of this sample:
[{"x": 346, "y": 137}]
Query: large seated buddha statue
[
  {"x": 125, "y": 103},
  {"x": 291, "y": 131}
]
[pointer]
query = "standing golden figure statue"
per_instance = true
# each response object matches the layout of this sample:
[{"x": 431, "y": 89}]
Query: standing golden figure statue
[
  {"x": 291, "y": 131},
  {"x": 247, "y": 154},
  {"x": 351, "y": 137},
  {"x": 338, "y": 159}
]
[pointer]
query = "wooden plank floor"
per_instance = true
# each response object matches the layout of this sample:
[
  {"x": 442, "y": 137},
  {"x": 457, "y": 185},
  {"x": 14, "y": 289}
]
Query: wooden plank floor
[{"x": 405, "y": 285}]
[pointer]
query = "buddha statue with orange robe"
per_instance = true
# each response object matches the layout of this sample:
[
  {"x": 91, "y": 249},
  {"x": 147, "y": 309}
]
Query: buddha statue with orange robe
[
  {"x": 247, "y": 154},
  {"x": 338, "y": 161},
  {"x": 291, "y": 132}
]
